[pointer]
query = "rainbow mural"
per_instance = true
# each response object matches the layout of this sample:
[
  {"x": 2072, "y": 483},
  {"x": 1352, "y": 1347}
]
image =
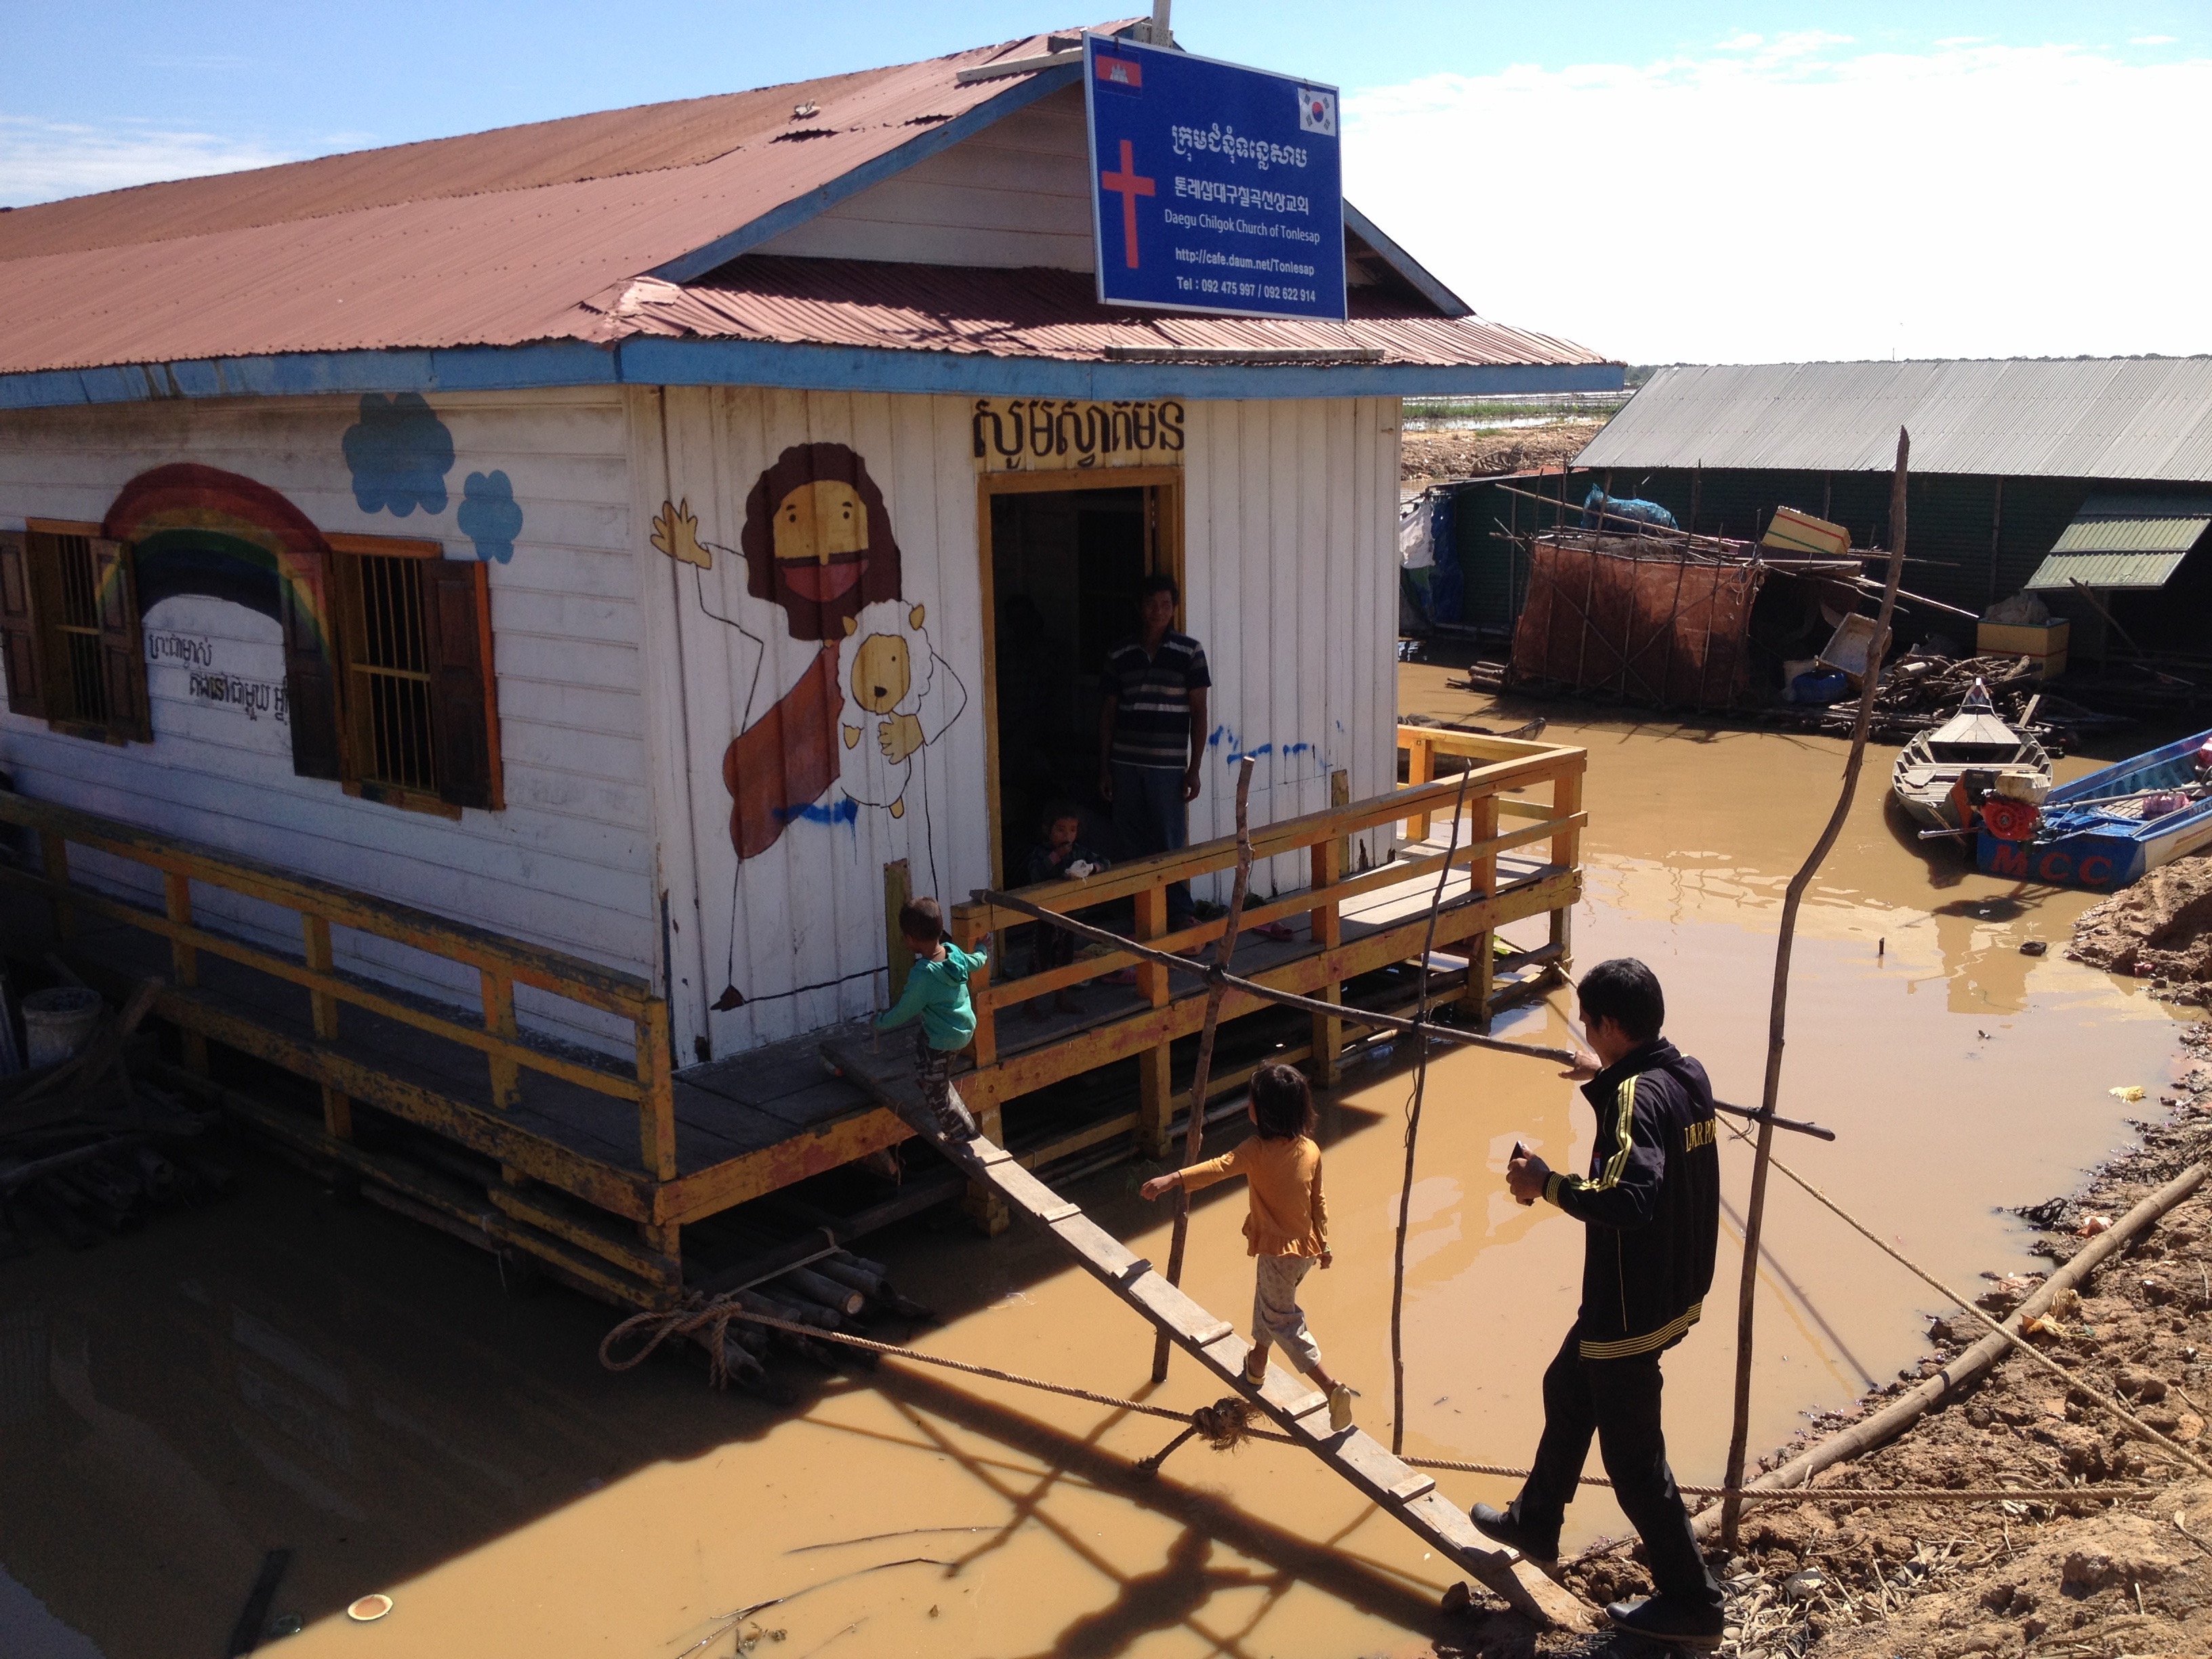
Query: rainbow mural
[{"x": 200, "y": 530}]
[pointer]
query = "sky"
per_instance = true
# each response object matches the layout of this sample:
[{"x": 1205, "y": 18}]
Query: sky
[{"x": 1727, "y": 183}]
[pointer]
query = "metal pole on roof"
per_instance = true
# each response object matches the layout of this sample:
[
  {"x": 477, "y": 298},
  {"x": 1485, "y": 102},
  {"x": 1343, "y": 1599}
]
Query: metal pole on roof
[{"x": 1162, "y": 35}]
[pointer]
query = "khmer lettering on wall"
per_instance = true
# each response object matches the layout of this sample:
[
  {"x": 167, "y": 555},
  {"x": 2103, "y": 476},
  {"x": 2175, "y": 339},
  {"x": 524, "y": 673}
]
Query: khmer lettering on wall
[{"x": 1020, "y": 434}]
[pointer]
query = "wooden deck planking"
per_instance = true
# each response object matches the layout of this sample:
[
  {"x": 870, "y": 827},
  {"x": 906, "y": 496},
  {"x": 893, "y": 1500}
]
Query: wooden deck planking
[{"x": 1406, "y": 1494}]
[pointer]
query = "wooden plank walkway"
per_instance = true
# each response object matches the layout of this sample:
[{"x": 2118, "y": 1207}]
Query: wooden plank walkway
[{"x": 1406, "y": 1494}]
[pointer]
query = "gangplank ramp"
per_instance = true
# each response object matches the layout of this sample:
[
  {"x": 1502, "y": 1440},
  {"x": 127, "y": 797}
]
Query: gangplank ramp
[{"x": 1301, "y": 1411}]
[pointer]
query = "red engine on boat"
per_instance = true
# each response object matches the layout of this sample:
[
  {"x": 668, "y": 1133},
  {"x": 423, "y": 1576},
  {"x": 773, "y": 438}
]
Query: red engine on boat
[{"x": 2008, "y": 819}]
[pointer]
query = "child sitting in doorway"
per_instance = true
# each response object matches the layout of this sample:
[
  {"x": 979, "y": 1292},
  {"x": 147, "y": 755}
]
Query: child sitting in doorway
[
  {"x": 1060, "y": 854},
  {"x": 936, "y": 994},
  {"x": 1287, "y": 1229}
]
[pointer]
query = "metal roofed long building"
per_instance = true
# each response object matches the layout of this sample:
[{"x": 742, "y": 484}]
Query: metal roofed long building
[
  {"x": 2051, "y": 475},
  {"x": 641, "y": 246},
  {"x": 2140, "y": 418}
]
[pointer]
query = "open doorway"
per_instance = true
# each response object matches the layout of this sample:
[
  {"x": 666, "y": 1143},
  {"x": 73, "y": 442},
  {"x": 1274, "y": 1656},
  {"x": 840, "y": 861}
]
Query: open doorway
[{"x": 1065, "y": 565}]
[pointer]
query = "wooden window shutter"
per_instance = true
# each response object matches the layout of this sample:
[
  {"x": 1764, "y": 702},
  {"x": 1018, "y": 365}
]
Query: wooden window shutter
[
  {"x": 19, "y": 653},
  {"x": 122, "y": 648},
  {"x": 465, "y": 717},
  {"x": 311, "y": 679}
]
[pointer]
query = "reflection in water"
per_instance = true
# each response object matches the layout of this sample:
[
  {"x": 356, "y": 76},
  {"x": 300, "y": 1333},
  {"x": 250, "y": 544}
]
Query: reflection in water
[{"x": 287, "y": 1371}]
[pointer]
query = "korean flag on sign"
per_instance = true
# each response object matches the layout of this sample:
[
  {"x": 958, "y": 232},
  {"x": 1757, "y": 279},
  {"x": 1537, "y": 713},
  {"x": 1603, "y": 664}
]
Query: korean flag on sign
[{"x": 1317, "y": 111}]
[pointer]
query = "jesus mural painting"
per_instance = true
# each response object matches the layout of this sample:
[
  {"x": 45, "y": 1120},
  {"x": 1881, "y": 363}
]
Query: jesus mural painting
[
  {"x": 817, "y": 545},
  {"x": 819, "y": 549}
]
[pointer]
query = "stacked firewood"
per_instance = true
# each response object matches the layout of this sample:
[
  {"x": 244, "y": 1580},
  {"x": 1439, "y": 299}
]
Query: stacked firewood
[
  {"x": 1919, "y": 693},
  {"x": 1934, "y": 686},
  {"x": 90, "y": 1150}
]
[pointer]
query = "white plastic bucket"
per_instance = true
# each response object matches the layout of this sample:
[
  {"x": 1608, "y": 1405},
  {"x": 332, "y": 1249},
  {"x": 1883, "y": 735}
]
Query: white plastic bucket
[{"x": 58, "y": 1023}]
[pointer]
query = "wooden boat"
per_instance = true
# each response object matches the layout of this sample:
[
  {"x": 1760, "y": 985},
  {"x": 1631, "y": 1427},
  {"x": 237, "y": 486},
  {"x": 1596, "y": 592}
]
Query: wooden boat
[
  {"x": 2109, "y": 829},
  {"x": 1926, "y": 780}
]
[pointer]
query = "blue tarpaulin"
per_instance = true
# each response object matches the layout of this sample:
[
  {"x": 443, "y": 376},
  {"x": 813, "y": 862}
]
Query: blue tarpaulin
[{"x": 1609, "y": 511}]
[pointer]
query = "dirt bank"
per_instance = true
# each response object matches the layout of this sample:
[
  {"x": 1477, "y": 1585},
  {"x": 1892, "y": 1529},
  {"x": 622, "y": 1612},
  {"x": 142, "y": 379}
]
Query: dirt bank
[
  {"x": 1425, "y": 458},
  {"x": 2096, "y": 1575},
  {"x": 2160, "y": 929}
]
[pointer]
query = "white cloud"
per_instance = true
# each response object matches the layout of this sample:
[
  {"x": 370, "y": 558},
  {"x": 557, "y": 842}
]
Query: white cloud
[
  {"x": 41, "y": 160},
  {"x": 2152, "y": 40},
  {"x": 1781, "y": 201}
]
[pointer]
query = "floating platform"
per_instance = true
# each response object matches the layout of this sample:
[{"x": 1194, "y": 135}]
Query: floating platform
[{"x": 593, "y": 1164}]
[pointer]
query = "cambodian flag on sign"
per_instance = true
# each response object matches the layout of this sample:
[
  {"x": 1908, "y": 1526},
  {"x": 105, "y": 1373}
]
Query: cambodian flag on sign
[
  {"x": 1213, "y": 187},
  {"x": 1118, "y": 74}
]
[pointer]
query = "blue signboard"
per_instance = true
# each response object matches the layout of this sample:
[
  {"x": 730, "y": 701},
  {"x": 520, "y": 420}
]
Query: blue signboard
[{"x": 1213, "y": 187}]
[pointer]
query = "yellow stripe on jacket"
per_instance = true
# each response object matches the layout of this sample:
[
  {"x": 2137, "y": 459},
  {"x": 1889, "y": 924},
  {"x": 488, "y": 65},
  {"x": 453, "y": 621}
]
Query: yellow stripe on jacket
[
  {"x": 1623, "y": 1130},
  {"x": 1288, "y": 1215},
  {"x": 1629, "y": 1346}
]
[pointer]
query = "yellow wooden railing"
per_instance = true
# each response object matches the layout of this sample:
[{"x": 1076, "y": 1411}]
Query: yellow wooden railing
[
  {"x": 1422, "y": 743},
  {"x": 1504, "y": 770},
  {"x": 501, "y": 964}
]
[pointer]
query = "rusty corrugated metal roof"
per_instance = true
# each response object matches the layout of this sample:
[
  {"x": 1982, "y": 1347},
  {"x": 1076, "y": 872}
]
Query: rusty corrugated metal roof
[
  {"x": 1024, "y": 313},
  {"x": 490, "y": 239},
  {"x": 548, "y": 233},
  {"x": 2109, "y": 417}
]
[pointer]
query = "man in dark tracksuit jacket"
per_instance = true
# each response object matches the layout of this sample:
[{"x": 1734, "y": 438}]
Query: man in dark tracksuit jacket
[{"x": 1651, "y": 1208}]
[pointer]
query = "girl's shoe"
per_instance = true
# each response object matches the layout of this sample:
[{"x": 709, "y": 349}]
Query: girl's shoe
[
  {"x": 1339, "y": 1408},
  {"x": 1251, "y": 1381}
]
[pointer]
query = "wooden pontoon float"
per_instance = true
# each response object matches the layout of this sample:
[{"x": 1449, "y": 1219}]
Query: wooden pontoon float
[{"x": 462, "y": 1119}]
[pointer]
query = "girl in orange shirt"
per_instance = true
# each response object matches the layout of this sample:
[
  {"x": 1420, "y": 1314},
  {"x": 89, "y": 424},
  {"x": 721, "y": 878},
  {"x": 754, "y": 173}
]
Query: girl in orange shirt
[{"x": 1287, "y": 1228}]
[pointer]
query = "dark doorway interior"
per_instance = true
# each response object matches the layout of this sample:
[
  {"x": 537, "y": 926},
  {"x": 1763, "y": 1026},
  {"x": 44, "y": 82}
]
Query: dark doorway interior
[{"x": 1064, "y": 566}]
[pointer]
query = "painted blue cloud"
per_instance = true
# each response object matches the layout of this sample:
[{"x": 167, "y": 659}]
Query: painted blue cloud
[
  {"x": 488, "y": 515},
  {"x": 399, "y": 454}
]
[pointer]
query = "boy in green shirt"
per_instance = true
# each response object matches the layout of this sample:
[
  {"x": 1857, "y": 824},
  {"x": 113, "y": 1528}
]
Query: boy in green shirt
[{"x": 937, "y": 993}]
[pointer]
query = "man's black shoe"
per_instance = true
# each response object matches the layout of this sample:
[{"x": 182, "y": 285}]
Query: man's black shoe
[
  {"x": 1661, "y": 1619},
  {"x": 1500, "y": 1525}
]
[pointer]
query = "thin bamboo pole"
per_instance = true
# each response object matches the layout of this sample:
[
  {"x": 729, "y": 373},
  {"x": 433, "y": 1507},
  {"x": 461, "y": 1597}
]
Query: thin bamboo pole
[
  {"x": 1413, "y": 1127},
  {"x": 1193, "y": 1140},
  {"x": 1754, "y": 1212}
]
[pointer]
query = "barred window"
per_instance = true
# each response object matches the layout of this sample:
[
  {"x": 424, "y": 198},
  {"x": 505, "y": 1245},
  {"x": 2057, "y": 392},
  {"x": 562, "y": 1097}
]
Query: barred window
[
  {"x": 418, "y": 693},
  {"x": 390, "y": 678},
  {"x": 69, "y": 639}
]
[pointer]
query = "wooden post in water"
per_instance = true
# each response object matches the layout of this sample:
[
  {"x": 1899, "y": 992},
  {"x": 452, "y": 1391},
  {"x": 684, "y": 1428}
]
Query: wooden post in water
[
  {"x": 1754, "y": 1212},
  {"x": 1413, "y": 1118},
  {"x": 1193, "y": 1138}
]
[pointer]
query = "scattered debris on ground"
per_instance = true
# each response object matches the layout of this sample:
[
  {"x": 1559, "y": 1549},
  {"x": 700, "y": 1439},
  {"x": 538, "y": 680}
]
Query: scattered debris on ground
[
  {"x": 2100, "y": 1574},
  {"x": 1427, "y": 458},
  {"x": 2159, "y": 929},
  {"x": 88, "y": 1149}
]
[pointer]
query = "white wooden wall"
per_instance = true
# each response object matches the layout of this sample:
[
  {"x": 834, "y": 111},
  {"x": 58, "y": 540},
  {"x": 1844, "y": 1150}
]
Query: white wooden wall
[
  {"x": 1289, "y": 534},
  {"x": 1290, "y": 560},
  {"x": 568, "y": 864},
  {"x": 1016, "y": 194}
]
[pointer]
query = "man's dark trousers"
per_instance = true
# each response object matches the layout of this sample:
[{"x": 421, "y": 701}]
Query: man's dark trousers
[
  {"x": 1618, "y": 1400},
  {"x": 1151, "y": 816}
]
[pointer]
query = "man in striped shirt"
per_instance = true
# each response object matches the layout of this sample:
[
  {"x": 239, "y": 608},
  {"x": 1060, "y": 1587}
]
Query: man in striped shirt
[{"x": 1152, "y": 733}]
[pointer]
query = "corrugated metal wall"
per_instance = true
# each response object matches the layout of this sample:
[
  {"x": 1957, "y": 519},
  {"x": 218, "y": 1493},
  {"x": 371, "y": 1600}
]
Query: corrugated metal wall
[{"x": 1949, "y": 532}]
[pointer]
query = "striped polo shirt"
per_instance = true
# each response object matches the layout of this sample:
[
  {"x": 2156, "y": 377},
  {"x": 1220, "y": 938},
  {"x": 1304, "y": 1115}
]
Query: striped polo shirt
[{"x": 1152, "y": 716}]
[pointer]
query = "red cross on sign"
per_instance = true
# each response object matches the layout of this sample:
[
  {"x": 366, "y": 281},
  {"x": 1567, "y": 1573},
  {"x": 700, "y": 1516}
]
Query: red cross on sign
[{"x": 1129, "y": 186}]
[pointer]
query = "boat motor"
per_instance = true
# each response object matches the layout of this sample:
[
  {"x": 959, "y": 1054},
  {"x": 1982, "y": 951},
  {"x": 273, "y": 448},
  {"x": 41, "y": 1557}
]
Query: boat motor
[{"x": 2008, "y": 819}]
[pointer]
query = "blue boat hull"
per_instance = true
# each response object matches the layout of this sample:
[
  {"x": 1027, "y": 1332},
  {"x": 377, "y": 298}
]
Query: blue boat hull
[{"x": 2099, "y": 851}]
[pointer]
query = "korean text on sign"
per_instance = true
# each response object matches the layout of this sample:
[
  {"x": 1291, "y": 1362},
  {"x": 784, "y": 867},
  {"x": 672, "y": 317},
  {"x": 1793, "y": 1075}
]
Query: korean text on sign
[{"x": 1213, "y": 187}]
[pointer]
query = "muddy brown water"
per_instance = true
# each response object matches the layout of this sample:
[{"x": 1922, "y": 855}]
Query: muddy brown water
[{"x": 286, "y": 1370}]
